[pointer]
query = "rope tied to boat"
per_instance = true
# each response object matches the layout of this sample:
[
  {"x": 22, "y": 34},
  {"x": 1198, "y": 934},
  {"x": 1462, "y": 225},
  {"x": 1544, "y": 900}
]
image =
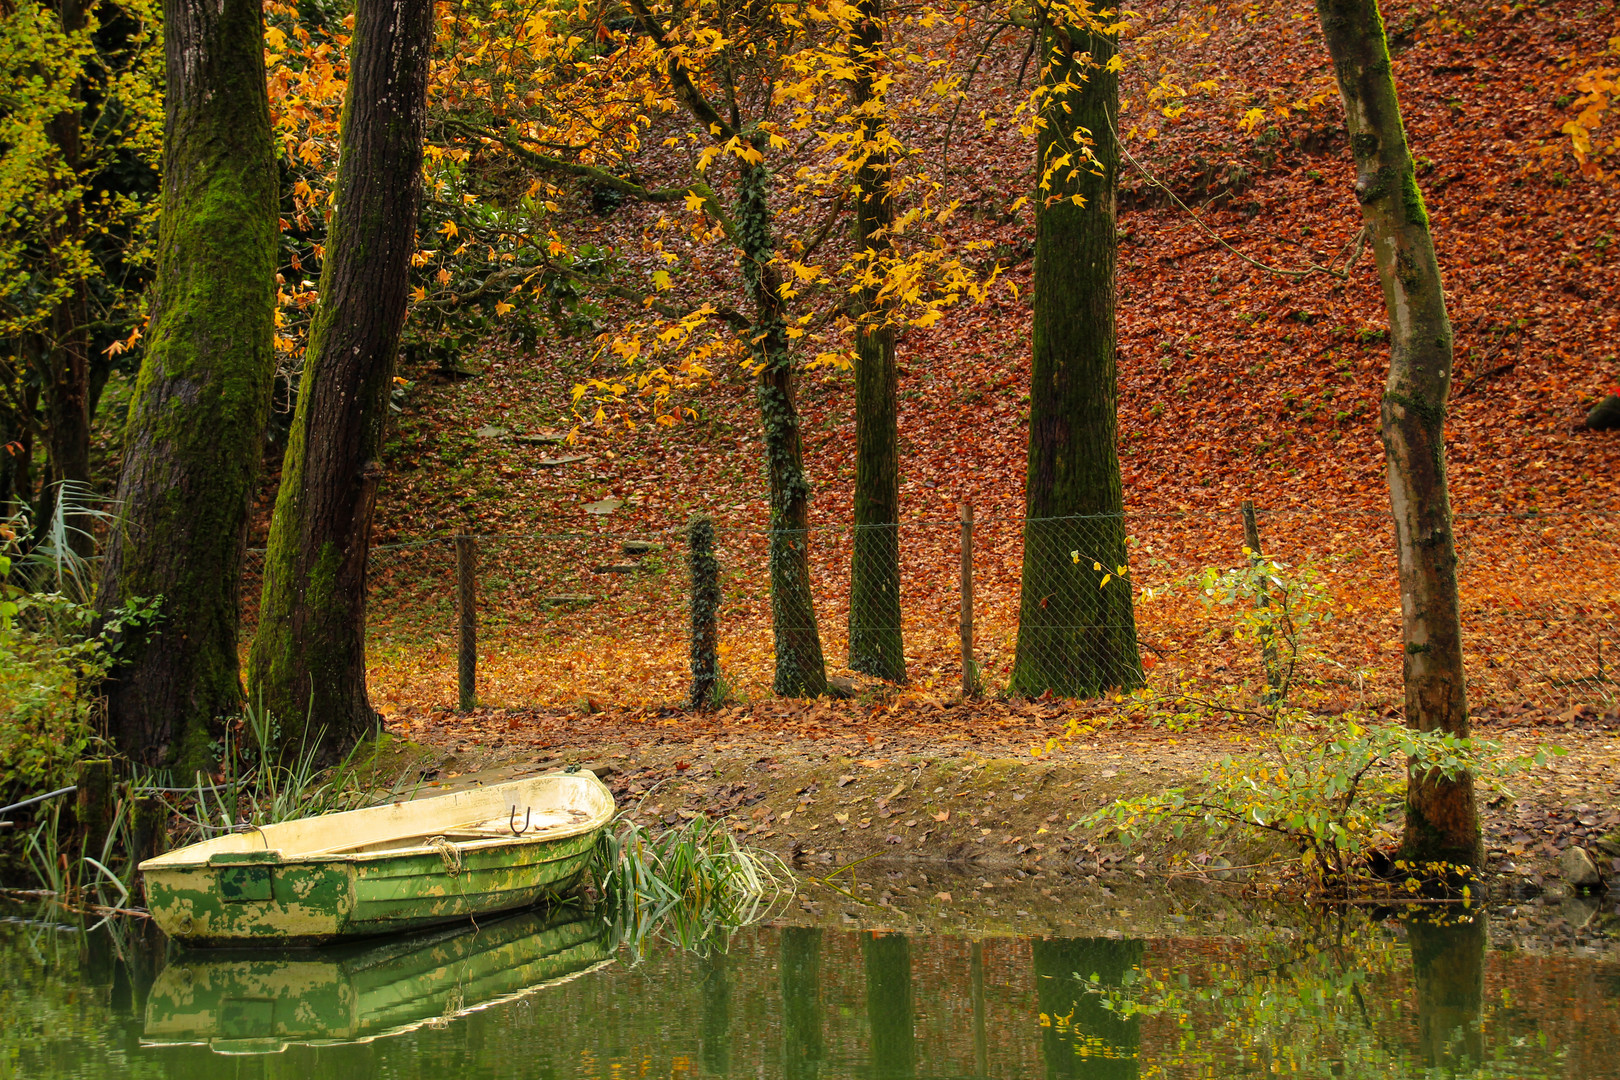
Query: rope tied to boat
[{"x": 448, "y": 852}]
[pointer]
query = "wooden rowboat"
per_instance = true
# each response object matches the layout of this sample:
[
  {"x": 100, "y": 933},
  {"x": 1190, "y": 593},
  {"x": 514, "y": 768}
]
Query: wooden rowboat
[
  {"x": 382, "y": 869},
  {"x": 263, "y": 1001}
]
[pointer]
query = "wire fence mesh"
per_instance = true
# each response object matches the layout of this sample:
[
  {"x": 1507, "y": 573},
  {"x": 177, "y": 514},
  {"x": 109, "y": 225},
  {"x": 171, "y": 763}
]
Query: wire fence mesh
[{"x": 604, "y": 616}]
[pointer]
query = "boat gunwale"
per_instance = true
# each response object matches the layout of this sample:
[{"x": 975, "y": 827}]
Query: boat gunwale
[{"x": 169, "y": 862}]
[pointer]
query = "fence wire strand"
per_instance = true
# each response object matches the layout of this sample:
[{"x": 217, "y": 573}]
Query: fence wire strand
[{"x": 1080, "y": 605}]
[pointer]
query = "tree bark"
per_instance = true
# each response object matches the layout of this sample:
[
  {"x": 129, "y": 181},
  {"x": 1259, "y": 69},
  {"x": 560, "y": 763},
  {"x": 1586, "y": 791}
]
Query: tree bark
[
  {"x": 196, "y": 422},
  {"x": 308, "y": 658},
  {"x": 67, "y": 396},
  {"x": 1076, "y": 634},
  {"x": 1442, "y": 822},
  {"x": 875, "y": 640},
  {"x": 801, "y": 670}
]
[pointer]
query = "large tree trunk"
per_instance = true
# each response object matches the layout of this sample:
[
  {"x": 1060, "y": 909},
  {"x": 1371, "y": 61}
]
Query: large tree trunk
[
  {"x": 800, "y": 669},
  {"x": 1442, "y": 822},
  {"x": 875, "y": 640},
  {"x": 1076, "y": 632},
  {"x": 196, "y": 423},
  {"x": 308, "y": 658}
]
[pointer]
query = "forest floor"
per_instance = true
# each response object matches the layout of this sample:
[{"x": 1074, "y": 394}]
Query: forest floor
[{"x": 1234, "y": 384}]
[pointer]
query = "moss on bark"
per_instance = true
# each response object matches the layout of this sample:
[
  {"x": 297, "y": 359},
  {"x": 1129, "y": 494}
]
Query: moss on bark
[
  {"x": 1076, "y": 634},
  {"x": 196, "y": 422},
  {"x": 308, "y": 658}
]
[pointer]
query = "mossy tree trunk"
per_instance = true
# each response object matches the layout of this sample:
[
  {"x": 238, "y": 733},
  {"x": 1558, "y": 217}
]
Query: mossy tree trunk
[
  {"x": 308, "y": 658},
  {"x": 196, "y": 422},
  {"x": 801, "y": 670},
  {"x": 875, "y": 641},
  {"x": 1076, "y": 624},
  {"x": 1442, "y": 821}
]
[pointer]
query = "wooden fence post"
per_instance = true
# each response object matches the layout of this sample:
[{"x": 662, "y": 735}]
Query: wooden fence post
[
  {"x": 1268, "y": 646},
  {"x": 93, "y": 812},
  {"x": 970, "y": 675},
  {"x": 467, "y": 612},
  {"x": 148, "y": 823}
]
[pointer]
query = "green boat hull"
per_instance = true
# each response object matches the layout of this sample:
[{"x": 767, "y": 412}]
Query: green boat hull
[
  {"x": 264, "y": 1001},
  {"x": 381, "y": 870}
]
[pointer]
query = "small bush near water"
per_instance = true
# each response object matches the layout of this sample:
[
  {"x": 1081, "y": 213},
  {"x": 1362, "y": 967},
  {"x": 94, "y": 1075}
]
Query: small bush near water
[{"x": 1329, "y": 786}]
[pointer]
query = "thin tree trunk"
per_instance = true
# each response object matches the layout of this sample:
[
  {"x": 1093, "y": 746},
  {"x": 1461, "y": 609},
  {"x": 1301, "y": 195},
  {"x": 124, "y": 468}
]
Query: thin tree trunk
[
  {"x": 714, "y": 1024},
  {"x": 308, "y": 658},
  {"x": 875, "y": 641},
  {"x": 801, "y": 670},
  {"x": 1076, "y": 626},
  {"x": 1448, "y": 973},
  {"x": 196, "y": 424},
  {"x": 1442, "y": 822},
  {"x": 67, "y": 395}
]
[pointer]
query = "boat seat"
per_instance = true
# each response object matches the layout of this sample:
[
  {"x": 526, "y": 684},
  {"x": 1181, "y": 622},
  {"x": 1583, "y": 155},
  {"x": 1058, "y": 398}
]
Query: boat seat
[{"x": 538, "y": 824}]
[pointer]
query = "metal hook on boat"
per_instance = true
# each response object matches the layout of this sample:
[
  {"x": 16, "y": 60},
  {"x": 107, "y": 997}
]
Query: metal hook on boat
[{"x": 511, "y": 822}]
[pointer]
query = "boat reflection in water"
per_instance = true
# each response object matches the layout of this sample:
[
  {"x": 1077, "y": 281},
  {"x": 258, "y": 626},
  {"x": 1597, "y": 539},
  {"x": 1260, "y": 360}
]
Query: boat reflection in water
[{"x": 262, "y": 1002}]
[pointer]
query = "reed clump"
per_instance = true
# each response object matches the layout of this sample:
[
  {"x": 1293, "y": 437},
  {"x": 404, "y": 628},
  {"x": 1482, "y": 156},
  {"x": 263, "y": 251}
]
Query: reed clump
[{"x": 693, "y": 884}]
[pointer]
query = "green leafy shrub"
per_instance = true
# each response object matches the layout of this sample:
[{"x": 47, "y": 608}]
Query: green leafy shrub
[
  {"x": 54, "y": 653},
  {"x": 1330, "y": 787}
]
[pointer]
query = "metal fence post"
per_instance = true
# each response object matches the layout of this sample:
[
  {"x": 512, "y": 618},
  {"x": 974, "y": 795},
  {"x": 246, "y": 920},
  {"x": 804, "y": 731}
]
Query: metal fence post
[
  {"x": 467, "y": 611},
  {"x": 970, "y": 677}
]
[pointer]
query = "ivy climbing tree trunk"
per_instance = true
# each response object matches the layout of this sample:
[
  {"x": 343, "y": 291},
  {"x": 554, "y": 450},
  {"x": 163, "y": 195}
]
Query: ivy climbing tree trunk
[
  {"x": 196, "y": 421},
  {"x": 1076, "y": 628},
  {"x": 801, "y": 670},
  {"x": 308, "y": 658},
  {"x": 875, "y": 641},
  {"x": 1442, "y": 821}
]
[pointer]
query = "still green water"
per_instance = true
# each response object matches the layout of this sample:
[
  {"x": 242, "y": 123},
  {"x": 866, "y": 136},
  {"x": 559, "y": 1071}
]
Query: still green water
[{"x": 1526, "y": 991}]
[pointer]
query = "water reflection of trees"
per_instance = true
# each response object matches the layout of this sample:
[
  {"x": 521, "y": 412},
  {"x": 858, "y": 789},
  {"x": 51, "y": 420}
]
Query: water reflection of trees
[
  {"x": 890, "y": 1012},
  {"x": 1355, "y": 997},
  {"x": 1080, "y": 1035}
]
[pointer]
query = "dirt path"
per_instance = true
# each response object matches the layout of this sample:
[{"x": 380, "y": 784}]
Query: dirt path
[{"x": 963, "y": 788}]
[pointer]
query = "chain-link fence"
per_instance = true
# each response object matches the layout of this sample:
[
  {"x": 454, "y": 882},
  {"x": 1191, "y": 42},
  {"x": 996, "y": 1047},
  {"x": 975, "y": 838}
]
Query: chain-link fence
[{"x": 1076, "y": 604}]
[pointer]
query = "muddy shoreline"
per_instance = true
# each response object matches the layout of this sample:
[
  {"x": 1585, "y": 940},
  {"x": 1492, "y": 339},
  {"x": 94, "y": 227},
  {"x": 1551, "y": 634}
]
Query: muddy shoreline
[{"x": 916, "y": 788}]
